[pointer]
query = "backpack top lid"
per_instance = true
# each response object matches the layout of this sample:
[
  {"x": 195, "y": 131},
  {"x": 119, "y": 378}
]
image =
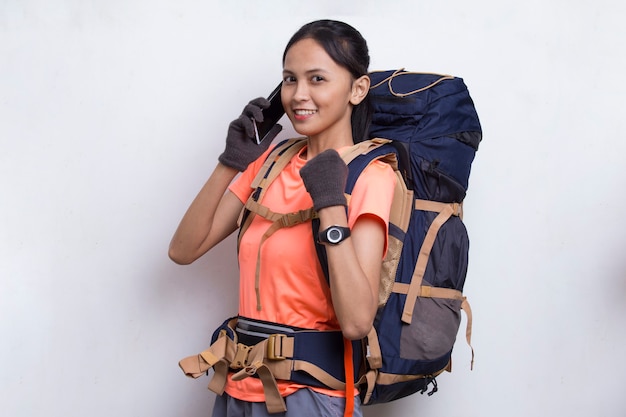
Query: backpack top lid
[
  {"x": 434, "y": 118},
  {"x": 420, "y": 106}
]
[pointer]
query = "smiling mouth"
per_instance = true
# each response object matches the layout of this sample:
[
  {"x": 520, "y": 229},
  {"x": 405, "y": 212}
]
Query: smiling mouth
[{"x": 304, "y": 112}]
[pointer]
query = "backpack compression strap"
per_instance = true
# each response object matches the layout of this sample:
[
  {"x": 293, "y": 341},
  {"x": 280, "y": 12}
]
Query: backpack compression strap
[{"x": 415, "y": 289}]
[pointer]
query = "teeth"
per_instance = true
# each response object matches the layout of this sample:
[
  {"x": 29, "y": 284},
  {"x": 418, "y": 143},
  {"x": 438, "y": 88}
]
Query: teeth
[{"x": 304, "y": 112}]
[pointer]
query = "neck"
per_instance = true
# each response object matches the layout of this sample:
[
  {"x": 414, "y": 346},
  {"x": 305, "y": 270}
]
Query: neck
[{"x": 328, "y": 140}]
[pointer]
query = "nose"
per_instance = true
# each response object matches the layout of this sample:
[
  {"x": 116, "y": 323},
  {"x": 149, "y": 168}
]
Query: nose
[{"x": 301, "y": 92}]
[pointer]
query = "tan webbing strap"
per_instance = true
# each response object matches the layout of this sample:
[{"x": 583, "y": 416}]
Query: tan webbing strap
[
  {"x": 362, "y": 148},
  {"x": 273, "y": 400},
  {"x": 428, "y": 291},
  {"x": 275, "y": 162},
  {"x": 197, "y": 365},
  {"x": 286, "y": 219},
  {"x": 374, "y": 355},
  {"x": 254, "y": 364},
  {"x": 370, "y": 377},
  {"x": 445, "y": 212},
  {"x": 402, "y": 205},
  {"x": 437, "y": 207},
  {"x": 468, "y": 329},
  {"x": 319, "y": 374},
  {"x": 280, "y": 221},
  {"x": 219, "y": 356},
  {"x": 220, "y": 375},
  {"x": 374, "y": 359}
]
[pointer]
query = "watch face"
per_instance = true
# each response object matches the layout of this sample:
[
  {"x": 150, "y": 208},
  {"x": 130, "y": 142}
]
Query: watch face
[{"x": 334, "y": 235}]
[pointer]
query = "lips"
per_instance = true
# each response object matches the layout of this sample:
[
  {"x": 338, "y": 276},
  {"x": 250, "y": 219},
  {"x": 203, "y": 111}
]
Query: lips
[{"x": 301, "y": 112}]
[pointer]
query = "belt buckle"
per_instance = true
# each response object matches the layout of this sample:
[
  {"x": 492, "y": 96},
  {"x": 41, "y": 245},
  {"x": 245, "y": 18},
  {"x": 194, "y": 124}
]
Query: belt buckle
[
  {"x": 241, "y": 356},
  {"x": 274, "y": 344}
]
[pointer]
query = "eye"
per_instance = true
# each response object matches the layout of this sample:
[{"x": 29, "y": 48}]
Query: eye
[
  {"x": 289, "y": 79},
  {"x": 316, "y": 79}
]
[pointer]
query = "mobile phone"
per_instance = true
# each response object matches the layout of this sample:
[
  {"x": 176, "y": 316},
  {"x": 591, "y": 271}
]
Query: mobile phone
[{"x": 271, "y": 115}]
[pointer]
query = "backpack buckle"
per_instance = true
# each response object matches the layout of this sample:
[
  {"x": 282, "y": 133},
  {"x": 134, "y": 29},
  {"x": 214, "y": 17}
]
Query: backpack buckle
[
  {"x": 241, "y": 356},
  {"x": 275, "y": 346}
]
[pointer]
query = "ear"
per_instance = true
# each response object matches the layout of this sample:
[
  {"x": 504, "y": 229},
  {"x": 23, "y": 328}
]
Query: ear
[{"x": 360, "y": 88}]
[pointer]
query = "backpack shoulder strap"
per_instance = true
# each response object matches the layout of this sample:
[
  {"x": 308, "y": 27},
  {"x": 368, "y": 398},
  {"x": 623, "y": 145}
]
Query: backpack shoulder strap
[
  {"x": 277, "y": 159},
  {"x": 275, "y": 162},
  {"x": 359, "y": 157}
]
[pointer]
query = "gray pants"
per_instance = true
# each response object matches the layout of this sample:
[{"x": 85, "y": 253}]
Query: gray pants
[{"x": 302, "y": 403}]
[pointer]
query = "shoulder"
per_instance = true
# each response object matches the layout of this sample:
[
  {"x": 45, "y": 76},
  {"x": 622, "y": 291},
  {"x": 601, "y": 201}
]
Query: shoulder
[
  {"x": 378, "y": 173},
  {"x": 373, "y": 192}
]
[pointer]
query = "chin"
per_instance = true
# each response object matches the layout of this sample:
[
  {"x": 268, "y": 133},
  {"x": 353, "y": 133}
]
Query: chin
[{"x": 304, "y": 131}]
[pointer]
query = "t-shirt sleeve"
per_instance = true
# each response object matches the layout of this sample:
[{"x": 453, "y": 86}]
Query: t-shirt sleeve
[{"x": 373, "y": 194}]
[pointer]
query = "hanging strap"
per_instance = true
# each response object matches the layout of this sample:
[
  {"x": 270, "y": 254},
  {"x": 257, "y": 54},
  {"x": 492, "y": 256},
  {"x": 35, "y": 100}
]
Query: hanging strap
[{"x": 468, "y": 329}]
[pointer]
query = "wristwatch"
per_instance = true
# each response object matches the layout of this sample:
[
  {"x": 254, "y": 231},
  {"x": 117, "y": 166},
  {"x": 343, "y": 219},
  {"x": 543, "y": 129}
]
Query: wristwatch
[{"x": 334, "y": 235}]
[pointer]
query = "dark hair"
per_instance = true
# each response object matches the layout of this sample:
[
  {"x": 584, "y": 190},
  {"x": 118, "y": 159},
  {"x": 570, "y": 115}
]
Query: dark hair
[{"x": 345, "y": 45}]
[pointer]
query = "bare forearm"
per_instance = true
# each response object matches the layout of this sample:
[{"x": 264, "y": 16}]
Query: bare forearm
[
  {"x": 354, "y": 272},
  {"x": 198, "y": 231}
]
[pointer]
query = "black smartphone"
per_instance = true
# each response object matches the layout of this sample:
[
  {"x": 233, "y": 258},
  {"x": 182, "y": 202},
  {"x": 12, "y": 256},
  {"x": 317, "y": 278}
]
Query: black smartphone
[{"x": 271, "y": 115}]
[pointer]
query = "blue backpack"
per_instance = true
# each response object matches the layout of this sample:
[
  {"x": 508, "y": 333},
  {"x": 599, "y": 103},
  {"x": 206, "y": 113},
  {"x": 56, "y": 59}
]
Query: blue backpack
[
  {"x": 425, "y": 126},
  {"x": 435, "y": 132}
]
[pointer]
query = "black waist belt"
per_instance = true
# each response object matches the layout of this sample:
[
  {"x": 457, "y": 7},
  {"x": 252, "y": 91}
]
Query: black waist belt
[{"x": 324, "y": 349}]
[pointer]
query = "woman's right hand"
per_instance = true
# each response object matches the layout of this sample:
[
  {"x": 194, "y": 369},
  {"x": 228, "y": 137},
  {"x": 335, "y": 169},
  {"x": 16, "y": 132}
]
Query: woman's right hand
[{"x": 241, "y": 147}]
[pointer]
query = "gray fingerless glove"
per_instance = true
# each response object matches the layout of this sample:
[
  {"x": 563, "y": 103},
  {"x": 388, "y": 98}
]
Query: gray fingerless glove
[
  {"x": 241, "y": 147},
  {"x": 325, "y": 179}
]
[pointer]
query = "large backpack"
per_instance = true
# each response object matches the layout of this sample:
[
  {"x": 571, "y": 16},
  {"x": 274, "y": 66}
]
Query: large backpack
[
  {"x": 433, "y": 123},
  {"x": 426, "y": 127}
]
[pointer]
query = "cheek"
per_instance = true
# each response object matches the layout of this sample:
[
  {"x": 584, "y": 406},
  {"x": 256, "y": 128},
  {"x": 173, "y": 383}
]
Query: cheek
[{"x": 331, "y": 98}]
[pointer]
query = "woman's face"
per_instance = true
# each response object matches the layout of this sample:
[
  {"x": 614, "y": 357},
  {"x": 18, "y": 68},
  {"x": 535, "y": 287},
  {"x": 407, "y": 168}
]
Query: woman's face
[{"x": 317, "y": 93}]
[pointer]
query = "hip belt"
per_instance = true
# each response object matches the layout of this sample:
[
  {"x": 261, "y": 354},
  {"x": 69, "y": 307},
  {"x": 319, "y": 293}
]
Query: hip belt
[{"x": 272, "y": 351}]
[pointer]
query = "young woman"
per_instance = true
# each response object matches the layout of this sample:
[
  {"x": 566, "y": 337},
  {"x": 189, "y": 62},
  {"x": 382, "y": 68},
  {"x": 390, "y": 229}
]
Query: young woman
[{"x": 324, "y": 93}]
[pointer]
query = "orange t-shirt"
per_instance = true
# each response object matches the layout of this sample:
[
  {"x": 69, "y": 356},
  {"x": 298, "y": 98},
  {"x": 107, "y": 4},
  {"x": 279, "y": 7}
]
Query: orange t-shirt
[{"x": 292, "y": 286}]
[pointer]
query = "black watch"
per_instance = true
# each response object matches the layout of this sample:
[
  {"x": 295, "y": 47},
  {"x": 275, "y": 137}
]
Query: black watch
[{"x": 334, "y": 235}]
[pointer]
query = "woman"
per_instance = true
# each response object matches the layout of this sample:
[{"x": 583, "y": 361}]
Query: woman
[{"x": 324, "y": 93}]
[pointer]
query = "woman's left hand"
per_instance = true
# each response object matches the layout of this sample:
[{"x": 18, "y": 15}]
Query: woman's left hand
[{"x": 325, "y": 179}]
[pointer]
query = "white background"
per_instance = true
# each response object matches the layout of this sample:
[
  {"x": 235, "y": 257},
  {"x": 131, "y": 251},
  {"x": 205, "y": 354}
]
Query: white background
[{"x": 112, "y": 114}]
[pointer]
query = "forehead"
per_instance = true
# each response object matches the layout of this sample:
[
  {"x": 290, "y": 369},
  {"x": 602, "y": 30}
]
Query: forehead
[{"x": 307, "y": 55}]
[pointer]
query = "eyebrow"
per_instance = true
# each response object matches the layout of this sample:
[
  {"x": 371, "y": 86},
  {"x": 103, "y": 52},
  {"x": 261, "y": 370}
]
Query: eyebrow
[{"x": 313, "y": 70}]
